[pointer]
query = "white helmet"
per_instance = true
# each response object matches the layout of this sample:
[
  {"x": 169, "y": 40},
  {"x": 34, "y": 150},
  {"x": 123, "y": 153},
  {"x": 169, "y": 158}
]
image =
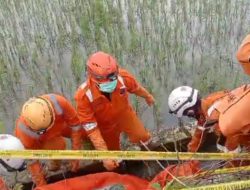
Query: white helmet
[
  {"x": 9, "y": 142},
  {"x": 182, "y": 98}
]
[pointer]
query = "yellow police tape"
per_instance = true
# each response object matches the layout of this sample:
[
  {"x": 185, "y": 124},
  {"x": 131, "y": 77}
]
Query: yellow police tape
[
  {"x": 244, "y": 184},
  {"x": 221, "y": 171},
  {"x": 211, "y": 173},
  {"x": 124, "y": 155}
]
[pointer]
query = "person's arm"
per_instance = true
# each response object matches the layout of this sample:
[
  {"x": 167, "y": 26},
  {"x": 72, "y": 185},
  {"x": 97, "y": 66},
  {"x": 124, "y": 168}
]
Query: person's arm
[
  {"x": 30, "y": 141},
  {"x": 233, "y": 143},
  {"x": 243, "y": 53},
  {"x": 37, "y": 174},
  {"x": 89, "y": 123},
  {"x": 71, "y": 118},
  {"x": 134, "y": 87},
  {"x": 197, "y": 140}
]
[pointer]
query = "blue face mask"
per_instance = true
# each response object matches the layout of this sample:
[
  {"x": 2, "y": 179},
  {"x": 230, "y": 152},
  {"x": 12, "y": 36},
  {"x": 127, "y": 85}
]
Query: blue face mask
[{"x": 108, "y": 87}]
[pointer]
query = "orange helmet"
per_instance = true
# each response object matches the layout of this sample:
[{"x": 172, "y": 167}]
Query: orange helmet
[
  {"x": 38, "y": 113},
  {"x": 102, "y": 67}
]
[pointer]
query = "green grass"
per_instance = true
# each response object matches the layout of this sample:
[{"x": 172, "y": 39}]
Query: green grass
[
  {"x": 2, "y": 128},
  {"x": 172, "y": 42}
]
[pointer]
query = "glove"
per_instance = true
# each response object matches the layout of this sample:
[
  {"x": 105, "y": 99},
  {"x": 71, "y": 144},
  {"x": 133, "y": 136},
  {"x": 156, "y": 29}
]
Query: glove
[
  {"x": 150, "y": 100},
  {"x": 75, "y": 164},
  {"x": 110, "y": 164}
]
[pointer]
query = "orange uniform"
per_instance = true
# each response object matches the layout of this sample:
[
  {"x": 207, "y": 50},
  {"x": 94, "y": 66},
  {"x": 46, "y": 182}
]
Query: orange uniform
[
  {"x": 232, "y": 113},
  {"x": 3, "y": 186},
  {"x": 114, "y": 114},
  {"x": 243, "y": 54},
  {"x": 206, "y": 103},
  {"x": 234, "y": 122},
  {"x": 66, "y": 120}
]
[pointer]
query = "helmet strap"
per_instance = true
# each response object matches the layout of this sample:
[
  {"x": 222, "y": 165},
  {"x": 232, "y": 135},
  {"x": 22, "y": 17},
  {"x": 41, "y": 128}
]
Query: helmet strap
[{"x": 11, "y": 169}]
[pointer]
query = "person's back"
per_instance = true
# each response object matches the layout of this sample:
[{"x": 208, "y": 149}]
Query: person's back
[
  {"x": 207, "y": 102},
  {"x": 42, "y": 124},
  {"x": 199, "y": 134},
  {"x": 234, "y": 111},
  {"x": 243, "y": 54},
  {"x": 233, "y": 122}
]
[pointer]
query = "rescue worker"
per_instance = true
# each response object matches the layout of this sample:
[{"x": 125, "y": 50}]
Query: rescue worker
[
  {"x": 232, "y": 112},
  {"x": 243, "y": 54},
  {"x": 227, "y": 116},
  {"x": 186, "y": 101},
  {"x": 7, "y": 166},
  {"x": 103, "y": 106},
  {"x": 43, "y": 122}
]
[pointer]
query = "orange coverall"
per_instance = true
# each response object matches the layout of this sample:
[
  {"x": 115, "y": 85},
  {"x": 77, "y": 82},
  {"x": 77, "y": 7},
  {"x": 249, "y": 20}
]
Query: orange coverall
[
  {"x": 111, "y": 116},
  {"x": 3, "y": 185},
  {"x": 243, "y": 54},
  {"x": 206, "y": 103},
  {"x": 66, "y": 124},
  {"x": 232, "y": 113}
]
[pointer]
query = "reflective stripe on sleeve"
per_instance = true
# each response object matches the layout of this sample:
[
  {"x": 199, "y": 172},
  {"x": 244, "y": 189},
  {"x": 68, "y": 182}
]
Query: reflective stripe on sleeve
[
  {"x": 27, "y": 131},
  {"x": 89, "y": 126},
  {"x": 120, "y": 79},
  {"x": 89, "y": 95},
  {"x": 76, "y": 128},
  {"x": 56, "y": 104}
]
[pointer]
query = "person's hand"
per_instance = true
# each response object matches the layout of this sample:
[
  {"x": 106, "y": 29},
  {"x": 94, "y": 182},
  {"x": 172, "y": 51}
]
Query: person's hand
[
  {"x": 110, "y": 164},
  {"x": 75, "y": 164},
  {"x": 150, "y": 100}
]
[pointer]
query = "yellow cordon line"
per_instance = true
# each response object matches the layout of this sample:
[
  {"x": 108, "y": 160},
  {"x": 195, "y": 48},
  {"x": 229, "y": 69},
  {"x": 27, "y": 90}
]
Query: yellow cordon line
[
  {"x": 223, "y": 186},
  {"x": 215, "y": 172},
  {"x": 125, "y": 155},
  {"x": 222, "y": 171}
]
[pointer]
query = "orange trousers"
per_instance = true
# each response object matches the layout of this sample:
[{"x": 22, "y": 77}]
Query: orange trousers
[{"x": 128, "y": 123}]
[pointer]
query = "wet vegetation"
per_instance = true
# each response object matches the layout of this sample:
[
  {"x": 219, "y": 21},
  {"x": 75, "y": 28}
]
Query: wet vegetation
[{"x": 45, "y": 44}]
